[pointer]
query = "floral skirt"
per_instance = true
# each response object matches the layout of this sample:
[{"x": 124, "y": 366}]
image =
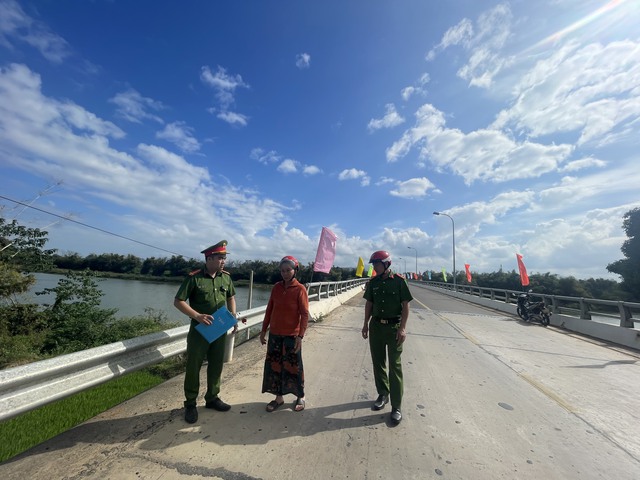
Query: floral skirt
[{"x": 283, "y": 371}]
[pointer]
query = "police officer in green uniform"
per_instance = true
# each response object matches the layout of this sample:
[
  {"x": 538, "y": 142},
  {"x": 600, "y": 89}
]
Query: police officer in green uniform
[
  {"x": 385, "y": 320},
  {"x": 206, "y": 290}
]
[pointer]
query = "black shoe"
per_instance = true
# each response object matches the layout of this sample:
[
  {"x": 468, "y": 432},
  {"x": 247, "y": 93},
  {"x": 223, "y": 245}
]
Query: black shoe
[
  {"x": 380, "y": 402},
  {"x": 218, "y": 405},
  {"x": 190, "y": 414},
  {"x": 396, "y": 416}
]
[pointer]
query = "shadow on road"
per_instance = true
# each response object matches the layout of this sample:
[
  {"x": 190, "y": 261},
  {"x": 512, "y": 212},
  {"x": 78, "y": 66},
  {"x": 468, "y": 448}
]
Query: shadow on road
[{"x": 245, "y": 424}]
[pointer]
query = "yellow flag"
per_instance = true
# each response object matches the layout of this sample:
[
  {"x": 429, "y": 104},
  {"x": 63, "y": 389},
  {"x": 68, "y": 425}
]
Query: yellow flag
[{"x": 360, "y": 267}]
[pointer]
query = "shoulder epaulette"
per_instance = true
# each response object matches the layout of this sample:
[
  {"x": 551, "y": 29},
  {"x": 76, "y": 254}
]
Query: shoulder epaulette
[
  {"x": 224, "y": 271},
  {"x": 195, "y": 272}
]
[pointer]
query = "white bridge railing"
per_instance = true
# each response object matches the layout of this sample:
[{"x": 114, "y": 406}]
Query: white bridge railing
[{"x": 33, "y": 385}]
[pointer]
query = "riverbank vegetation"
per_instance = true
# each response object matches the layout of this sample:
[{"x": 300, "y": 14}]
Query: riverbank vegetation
[{"x": 175, "y": 268}]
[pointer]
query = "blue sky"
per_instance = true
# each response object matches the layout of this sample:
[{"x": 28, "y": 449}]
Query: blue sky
[{"x": 178, "y": 124}]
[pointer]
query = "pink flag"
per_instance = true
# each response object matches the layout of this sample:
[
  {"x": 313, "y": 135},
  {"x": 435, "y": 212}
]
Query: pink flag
[
  {"x": 524, "y": 278},
  {"x": 326, "y": 251}
]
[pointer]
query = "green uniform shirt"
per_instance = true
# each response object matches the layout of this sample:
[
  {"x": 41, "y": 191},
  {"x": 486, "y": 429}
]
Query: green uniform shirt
[
  {"x": 387, "y": 295},
  {"x": 204, "y": 293}
]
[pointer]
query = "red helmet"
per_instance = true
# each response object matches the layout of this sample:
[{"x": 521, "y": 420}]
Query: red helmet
[
  {"x": 290, "y": 261},
  {"x": 380, "y": 256}
]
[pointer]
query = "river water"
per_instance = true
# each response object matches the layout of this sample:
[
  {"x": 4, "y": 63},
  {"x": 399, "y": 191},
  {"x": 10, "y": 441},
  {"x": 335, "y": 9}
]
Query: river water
[{"x": 131, "y": 297}]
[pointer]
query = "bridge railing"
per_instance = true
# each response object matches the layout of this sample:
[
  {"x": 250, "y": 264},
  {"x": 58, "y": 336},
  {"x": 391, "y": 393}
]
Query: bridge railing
[
  {"x": 30, "y": 386},
  {"x": 583, "y": 308}
]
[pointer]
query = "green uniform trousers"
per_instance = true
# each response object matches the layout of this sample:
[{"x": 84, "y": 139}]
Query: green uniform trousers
[
  {"x": 382, "y": 340},
  {"x": 197, "y": 350}
]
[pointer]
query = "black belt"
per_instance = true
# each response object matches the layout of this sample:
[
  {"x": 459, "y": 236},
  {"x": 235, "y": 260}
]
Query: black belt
[{"x": 385, "y": 321}]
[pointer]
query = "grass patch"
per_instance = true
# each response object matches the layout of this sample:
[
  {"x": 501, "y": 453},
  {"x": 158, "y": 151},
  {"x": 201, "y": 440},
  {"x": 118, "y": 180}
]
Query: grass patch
[{"x": 32, "y": 428}]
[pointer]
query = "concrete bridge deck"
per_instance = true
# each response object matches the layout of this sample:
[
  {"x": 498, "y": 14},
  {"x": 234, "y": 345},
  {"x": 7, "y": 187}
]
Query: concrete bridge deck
[{"x": 486, "y": 397}]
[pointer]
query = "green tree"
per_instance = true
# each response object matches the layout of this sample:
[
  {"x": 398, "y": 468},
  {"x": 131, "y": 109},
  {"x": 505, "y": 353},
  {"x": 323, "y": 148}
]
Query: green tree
[
  {"x": 23, "y": 247},
  {"x": 177, "y": 266},
  {"x": 70, "y": 261},
  {"x": 153, "y": 266},
  {"x": 76, "y": 321},
  {"x": 629, "y": 267},
  {"x": 21, "y": 326},
  {"x": 21, "y": 251}
]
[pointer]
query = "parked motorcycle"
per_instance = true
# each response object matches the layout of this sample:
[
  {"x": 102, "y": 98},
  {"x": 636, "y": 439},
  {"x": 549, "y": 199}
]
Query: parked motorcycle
[{"x": 531, "y": 311}]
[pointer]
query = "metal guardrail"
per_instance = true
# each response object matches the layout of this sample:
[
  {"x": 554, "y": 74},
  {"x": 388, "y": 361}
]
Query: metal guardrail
[
  {"x": 579, "y": 307},
  {"x": 30, "y": 386}
]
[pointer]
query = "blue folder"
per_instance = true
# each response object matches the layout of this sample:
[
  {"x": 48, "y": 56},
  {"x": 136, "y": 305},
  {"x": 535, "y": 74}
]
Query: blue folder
[{"x": 223, "y": 320}]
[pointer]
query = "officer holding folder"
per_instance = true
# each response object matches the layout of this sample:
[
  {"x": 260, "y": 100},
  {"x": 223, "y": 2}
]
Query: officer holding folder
[{"x": 203, "y": 292}]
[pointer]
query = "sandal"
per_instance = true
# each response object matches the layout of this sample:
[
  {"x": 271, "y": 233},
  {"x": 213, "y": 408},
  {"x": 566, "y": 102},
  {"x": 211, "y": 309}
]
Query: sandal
[
  {"x": 273, "y": 405},
  {"x": 299, "y": 405}
]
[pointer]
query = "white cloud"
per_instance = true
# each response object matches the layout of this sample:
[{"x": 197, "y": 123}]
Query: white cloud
[
  {"x": 303, "y": 60},
  {"x": 351, "y": 174},
  {"x": 487, "y": 155},
  {"x": 385, "y": 180},
  {"x": 132, "y": 106},
  {"x": 591, "y": 92},
  {"x": 413, "y": 188},
  {"x": 311, "y": 170},
  {"x": 24, "y": 107},
  {"x": 233, "y": 118},
  {"x": 417, "y": 89},
  {"x": 171, "y": 164},
  {"x": 583, "y": 163},
  {"x": 592, "y": 190},
  {"x": 288, "y": 166},
  {"x": 390, "y": 119},
  {"x": 16, "y": 25},
  {"x": 181, "y": 135},
  {"x": 225, "y": 86},
  {"x": 484, "y": 43},
  {"x": 456, "y": 35},
  {"x": 355, "y": 174},
  {"x": 264, "y": 157},
  {"x": 407, "y": 92}
]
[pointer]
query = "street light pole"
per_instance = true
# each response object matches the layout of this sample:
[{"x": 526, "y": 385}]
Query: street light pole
[
  {"x": 416, "y": 258},
  {"x": 405, "y": 264},
  {"x": 453, "y": 226}
]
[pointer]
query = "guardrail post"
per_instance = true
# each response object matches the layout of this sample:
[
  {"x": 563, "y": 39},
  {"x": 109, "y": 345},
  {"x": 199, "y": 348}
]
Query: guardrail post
[
  {"x": 584, "y": 310},
  {"x": 555, "y": 308},
  {"x": 625, "y": 316}
]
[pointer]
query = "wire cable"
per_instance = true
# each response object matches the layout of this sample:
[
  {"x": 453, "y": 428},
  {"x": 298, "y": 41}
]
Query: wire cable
[{"x": 91, "y": 226}]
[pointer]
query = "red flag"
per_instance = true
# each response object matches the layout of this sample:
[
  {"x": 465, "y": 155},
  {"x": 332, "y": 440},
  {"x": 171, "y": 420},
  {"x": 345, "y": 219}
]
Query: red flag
[
  {"x": 524, "y": 278},
  {"x": 326, "y": 251},
  {"x": 466, "y": 267}
]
